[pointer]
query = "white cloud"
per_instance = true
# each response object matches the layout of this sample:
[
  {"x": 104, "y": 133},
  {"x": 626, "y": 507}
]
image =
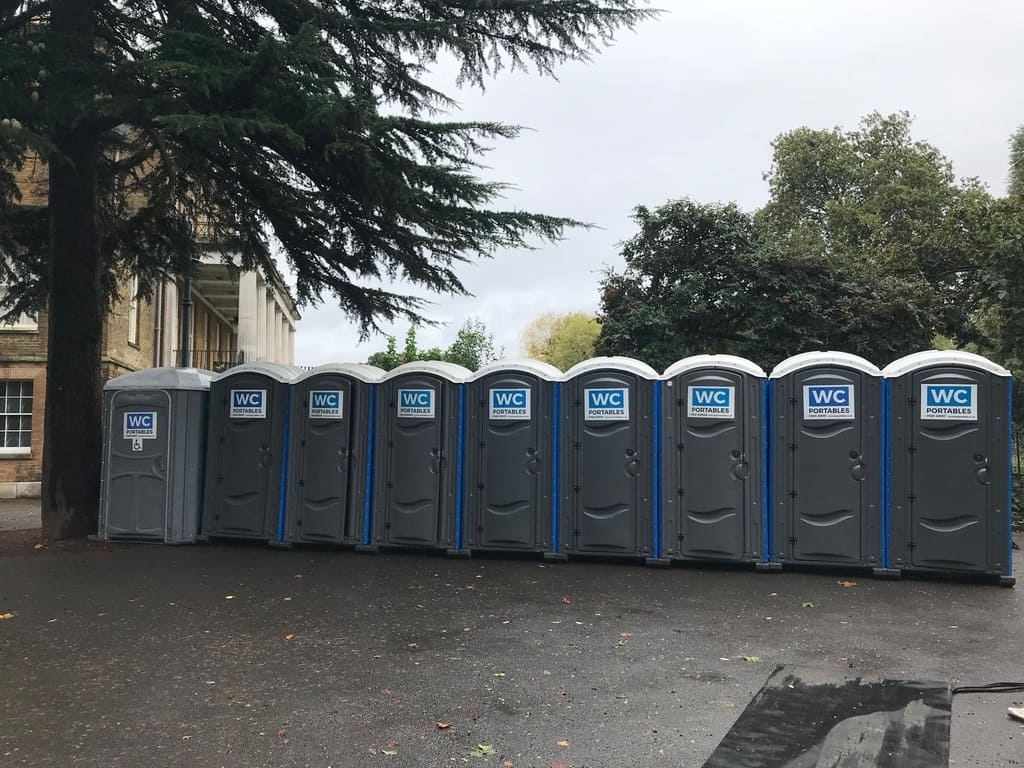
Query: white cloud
[{"x": 688, "y": 106}]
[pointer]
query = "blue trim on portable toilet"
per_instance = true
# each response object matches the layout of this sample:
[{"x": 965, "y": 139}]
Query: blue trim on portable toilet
[
  {"x": 886, "y": 470},
  {"x": 283, "y": 498},
  {"x": 556, "y": 487},
  {"x": 1009, "y": 471},
  {"x": 656, "y": 458},
  {"x": 460, "y": 458},
  {"x": 368, "y": 501},
  {"x": 766, "y": 471}
]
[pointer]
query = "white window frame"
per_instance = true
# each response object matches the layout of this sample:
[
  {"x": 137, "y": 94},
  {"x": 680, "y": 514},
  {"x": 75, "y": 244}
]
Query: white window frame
[
  {"x": 133, "y": 312},
  {"x": 23, "y": 322},
  {"x": 4, "y": 414}
]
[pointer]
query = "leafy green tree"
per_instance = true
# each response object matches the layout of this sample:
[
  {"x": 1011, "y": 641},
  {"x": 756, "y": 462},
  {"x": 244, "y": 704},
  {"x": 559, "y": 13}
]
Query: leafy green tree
[
  {"x": 1017, "y": 164},
  {"x": 561, "y": 340},
  {"x": 699, "y": 280},
  {"x": 473, "y": 348},
  {"x": 170, "y": 126}
]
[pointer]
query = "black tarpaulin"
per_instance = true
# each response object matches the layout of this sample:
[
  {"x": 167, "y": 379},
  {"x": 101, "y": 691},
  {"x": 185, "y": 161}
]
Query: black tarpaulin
[{"x": 810, "y": 719}]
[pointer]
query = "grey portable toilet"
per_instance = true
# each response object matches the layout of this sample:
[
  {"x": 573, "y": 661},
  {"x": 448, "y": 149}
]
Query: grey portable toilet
[
  {"x": 330, "y": 453},
  {"x": 827, "y": 461},
  {"x": 608, "y": 450},
  {"x": 949, "y": 425},
  {"x": 417, "y": 464},
  {"x": 510, "y": 456},
  {"x": 154, "y": 438},
  {"x": 247, "y": 452},
  {"x": 713, "y": 460}
]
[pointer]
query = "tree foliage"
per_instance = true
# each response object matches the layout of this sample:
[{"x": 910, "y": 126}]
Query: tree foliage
[
  {"x": 867, "y": 244},
  {"x": 171, "y": 127},
  {"x": 472, "y": 348},
  {"x": 561, "y": 340}
]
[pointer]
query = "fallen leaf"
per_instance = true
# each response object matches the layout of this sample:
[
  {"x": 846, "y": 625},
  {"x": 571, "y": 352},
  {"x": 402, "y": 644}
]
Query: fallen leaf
[
  {"x": 807, "y": 605},
  {"x": 281, "y": 733},
  {"x": 39, "y": 546},
  {"x": 499, "y": 674},
  {"x": 847, "y": 583},
  {"x": 471, "y": 586},
  {"x": 289, "y": 636},
  {"x": 563, "y": 742},
  {"x": 443, "y": 726},
  {"x": 507, "y": 764},
  {"x": 567, "y": 601},
  {"x": 751, "y": 659},
  {"x": 287, "y": 599},
  {"x": 229, "y": 597},
  {"x": 389, "y": 752},
  {"x": 386, "y": 691},
  {"x": 5, "y": 616},
  {"x": 482, "y": 750},
  {"x": 625, "y": 634}
]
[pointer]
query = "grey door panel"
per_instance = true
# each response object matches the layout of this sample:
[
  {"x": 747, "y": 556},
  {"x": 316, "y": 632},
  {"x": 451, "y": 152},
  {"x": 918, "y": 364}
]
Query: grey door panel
[
  {"x": 828, "y": 473},
  {"x": 950, "y": 477},
  {"x": 325, "y": 457},
  {"x": 137, "y": 481},
  {"x": 714, "y": 471}
]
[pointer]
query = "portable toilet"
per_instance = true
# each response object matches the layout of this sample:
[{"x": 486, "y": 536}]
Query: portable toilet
[
  {"x": 713, "y": 460},
  {"x": 247, "y": 452},
  {"x": 827, "y": 461},
  {"x": 154, "y": 439},
  {"x": 949, "y": 423},
  {"x": 608, "y": 464},
  {"x": 510, "y": 453},
  {"x": 417, "y": 465},
  {"x": 330, "y": 453}
]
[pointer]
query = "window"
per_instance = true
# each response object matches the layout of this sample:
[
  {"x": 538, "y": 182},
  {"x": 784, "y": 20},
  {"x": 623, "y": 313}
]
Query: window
[
  {"x": 16, "y": 417},
  {"x": 20, "y": 323},
  {"x": 133, "y": 312}
]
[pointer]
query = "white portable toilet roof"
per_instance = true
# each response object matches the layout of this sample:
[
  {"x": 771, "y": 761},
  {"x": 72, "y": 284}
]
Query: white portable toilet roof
[
  {"x": 450, "y": 371},
  {"x": 278, "y": 371},
  {"x": 811, "y": 359},
  {"x": 544, "y": 371},
  {"x": 932, "y": 357},
  {"x": 616, "y": 362},
  {"x": 370, "y": 374},
  {"x": 728, "y": 362},
  {"x": 163, "y": 378}
]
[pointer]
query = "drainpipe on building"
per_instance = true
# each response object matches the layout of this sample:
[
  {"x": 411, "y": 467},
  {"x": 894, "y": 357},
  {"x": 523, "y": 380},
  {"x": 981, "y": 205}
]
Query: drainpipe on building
[
  {"x": 158, "y": 325},
  {"x": 186, "y": 323}
]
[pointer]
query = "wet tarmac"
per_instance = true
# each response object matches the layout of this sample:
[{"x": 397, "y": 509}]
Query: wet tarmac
[{"x": 221, "y": 655}]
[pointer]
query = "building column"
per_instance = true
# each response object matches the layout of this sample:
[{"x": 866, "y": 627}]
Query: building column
[
  {"x": 169, "y": 324},
  {"x": 248, "y": 316},
  {"x": 291, "y": 345}
]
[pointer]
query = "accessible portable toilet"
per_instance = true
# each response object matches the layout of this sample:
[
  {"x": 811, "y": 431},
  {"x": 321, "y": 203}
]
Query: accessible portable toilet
[
  {"x": 949, "y": 424},
  {"x": 713, "y": 460},
  {"x": 510, "y": 456},
  {"x": 417, "y": 466},
  {"x": 154, "y": 439},
  {"x": 330, "y": 453},
  {"x": 608, "y": 459},
  {"x": 827, "y": 461},
  {"x": 247, "y": 452}
]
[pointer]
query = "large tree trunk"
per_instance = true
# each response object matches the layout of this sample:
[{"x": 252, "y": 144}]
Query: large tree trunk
[{"x": 72, "y": 437}]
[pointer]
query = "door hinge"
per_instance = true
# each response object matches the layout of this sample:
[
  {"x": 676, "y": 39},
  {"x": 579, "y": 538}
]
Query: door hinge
[
  {"x": 911, "y": 449},
  {"x": 792, "y": 539},
  {"x": 576, "y": 488},
  {"x": 911, "y": 497},
  {"x": 792, "y": 447},
  {"x": 792, "y": 494}
]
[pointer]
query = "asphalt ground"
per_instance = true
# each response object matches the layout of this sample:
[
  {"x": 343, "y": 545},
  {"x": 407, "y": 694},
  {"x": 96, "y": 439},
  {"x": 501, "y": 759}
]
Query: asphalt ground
[{"x": 234, "y": 655}]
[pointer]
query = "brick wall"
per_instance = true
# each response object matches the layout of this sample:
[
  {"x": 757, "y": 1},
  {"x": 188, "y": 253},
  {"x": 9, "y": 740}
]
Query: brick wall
[{"x": 119, "y": 354}]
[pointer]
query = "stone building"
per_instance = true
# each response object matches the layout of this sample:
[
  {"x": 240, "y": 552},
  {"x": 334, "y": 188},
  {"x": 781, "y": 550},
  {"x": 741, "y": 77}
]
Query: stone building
[{"x": 235, "y": 317}]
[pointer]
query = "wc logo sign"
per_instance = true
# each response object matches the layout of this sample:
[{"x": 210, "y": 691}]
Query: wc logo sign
[
  {"x": 248, "y": 404},
  {"x": 711, "y": 402},
  {"x": 140, "y": 425},
  {"x": 828, "y": 402},
  {"x": 510, "y": 405},
  {"x": 415, "y": 403},
  {"x": 325, "y": 404},
  {"x": 954, "y": 402},
  {"x": 606, "y": 404}
]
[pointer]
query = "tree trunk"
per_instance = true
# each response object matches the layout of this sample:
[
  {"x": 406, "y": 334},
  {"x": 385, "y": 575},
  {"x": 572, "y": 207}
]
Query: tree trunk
[{"x": 72, "y": 429}]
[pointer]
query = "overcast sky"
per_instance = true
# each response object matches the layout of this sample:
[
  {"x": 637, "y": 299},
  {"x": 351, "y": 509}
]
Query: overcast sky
[{"x": 687, "y": 106}]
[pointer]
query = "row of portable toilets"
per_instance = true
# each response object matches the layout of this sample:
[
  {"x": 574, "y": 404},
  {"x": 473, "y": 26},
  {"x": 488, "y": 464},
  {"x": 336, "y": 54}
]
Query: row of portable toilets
[{"x": 827, "y": 461}]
